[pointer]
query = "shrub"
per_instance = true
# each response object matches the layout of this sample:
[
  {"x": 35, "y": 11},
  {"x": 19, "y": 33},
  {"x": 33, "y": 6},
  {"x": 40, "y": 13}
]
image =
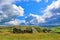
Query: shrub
[
  {"x": 15, "y": 30},
  {"x": 29, "y": 30},
  {"x": 45, "y": 30},
  {"x": 49, "y": 30},
  {"x": 19, "y": 30},
  {"x": 38, "y": 29}
]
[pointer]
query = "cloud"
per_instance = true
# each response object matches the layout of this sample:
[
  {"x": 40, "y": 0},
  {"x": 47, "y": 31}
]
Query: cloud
[
  {"x": 37, "y": 1},
  {"x": 33, "y": 19},
  {"x": 15, "y": 22},
  {"x": 9, "y": 11},
  {"x": 53, "y": 9},
  {"x": 39, "y": 18},
  {"x": 52, "y": 13},
  {"x": 30, "y": 0},
  {"x": 2, "y": 2}
]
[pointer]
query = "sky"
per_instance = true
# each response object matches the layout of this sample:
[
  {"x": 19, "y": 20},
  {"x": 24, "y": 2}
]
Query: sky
[{"x": 30, "y": 12}]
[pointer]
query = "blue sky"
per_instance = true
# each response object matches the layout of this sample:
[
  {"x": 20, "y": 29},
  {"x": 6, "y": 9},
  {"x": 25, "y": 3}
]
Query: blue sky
[
  {"x": 33, "y": 7},
  {"x": 30, "y": 12}
]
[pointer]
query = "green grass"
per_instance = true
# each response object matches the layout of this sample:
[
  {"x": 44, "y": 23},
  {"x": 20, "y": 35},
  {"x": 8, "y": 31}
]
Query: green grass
[
  {"x": 37, "y": 36},
  {"x": 56, "y": 29},
  {"x": 6, "y": 35}
]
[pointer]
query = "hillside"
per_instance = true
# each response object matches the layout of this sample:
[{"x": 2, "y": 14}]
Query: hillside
[{"x": 38, "y": 34}]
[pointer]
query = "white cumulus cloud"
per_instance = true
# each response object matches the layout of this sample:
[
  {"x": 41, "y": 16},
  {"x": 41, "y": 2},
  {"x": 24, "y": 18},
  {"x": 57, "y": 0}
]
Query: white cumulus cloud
[
  {"x": 34, "y": 19},
  {"x": 52, "y": 9},
  {"x": 9, "y": 11},
  {"x": 15, "y": 22},
  {"x": 40, "y": 19}
]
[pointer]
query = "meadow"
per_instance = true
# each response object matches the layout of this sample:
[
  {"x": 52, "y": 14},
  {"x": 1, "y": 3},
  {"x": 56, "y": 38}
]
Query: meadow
[{"x": 5, "y": 34}]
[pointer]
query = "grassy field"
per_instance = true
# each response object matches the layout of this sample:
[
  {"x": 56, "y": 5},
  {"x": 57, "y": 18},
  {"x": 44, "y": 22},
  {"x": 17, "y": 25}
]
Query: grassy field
[
  {"x": 6, "y": 35},
  {"x": 37, "y": 36}
]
